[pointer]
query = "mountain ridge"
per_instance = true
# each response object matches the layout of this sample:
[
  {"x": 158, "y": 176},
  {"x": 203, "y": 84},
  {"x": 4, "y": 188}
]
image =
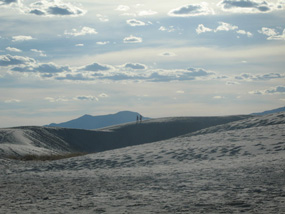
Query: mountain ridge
[{"x": 90, "y": 122}]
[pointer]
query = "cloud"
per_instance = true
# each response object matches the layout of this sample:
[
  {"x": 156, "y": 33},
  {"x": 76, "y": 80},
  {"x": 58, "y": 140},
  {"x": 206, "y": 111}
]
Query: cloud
[
  {"x": 12, "y": 101},
  {"x": 96, "y": 67},
  {"x": 132, "y": 39},
  {"x": 135, "y": 66},
  {"x": 180, "y": 92},
  {"x": 103, "y": 95},
  {"x": 84, "y": 31},
  {"x": 202, "y": 29},
  {"x": 167, "y": 54},
  {"x": 40, "y": 52},
  {"x": 225, "y": 27},
  {"x": 74, "y": 77},
  {"x": 134, "y": 23},
  {"x": 191, "y": 10},
  {"x": 54, "y": 8},
  {"x": 243, "y": 32},
  {"x": 218, "y": 97},
  {"x": 103, "y": 43},
  {"x": 123, "y": 8},
  {"x": 48, "y": 68},
  {"x": 13, "y": 49},
  {"x": 21, "y": 38},
  {"x": 8, "y": 60},
  {"x": 246, "y": 6},
  {"x": 271, "y": 91},
  {"x": 147, "y": 13},
  {"x": 102, "y": 18},
  {"x": 272, "y": 34},
  {"x": 250, "y": 77},
  {"x": 8, "y": 2},
  {"x": 56, "y": 99},
  {"x": 79, "y": 45},
  {"x": 86, "y": 98},
  {"x": 168, "y": 29}
]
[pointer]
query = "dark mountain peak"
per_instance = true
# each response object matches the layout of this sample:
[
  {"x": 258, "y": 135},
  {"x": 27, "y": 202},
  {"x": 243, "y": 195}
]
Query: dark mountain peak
[{"x": 95, "y": 122}]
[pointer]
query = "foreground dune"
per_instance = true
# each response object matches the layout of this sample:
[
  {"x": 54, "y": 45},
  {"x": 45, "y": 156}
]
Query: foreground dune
[
  {"x": 21, "y": 141},
  {"x": 231, "y": 168}
]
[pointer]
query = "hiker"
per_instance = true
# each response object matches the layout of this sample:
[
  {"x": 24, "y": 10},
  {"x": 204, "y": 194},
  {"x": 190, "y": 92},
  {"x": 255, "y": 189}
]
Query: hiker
[
  {"x": 137, "y": 118},
  {"x": 140, "y": 118}
]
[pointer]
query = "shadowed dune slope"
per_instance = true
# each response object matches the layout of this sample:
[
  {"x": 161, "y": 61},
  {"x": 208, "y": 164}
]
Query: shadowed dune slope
[{"x": 47, "y": 140}]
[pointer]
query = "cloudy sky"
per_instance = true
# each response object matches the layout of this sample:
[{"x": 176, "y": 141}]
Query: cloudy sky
[{"x": 61, "y": 59}]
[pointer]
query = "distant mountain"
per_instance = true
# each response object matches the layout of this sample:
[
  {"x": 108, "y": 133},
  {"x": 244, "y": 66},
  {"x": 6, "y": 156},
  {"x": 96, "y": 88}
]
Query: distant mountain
[
  {"x": 270, "y": 111},
  {"x": 97, "y": 122}
]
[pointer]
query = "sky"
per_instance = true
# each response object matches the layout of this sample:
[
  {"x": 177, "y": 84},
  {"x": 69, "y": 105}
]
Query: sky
[{"x": 61, "y": 59}]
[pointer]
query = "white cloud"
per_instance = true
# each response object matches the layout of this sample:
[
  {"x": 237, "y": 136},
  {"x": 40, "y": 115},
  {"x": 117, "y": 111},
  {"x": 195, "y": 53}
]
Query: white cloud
[
  {"x": 202, "y": 29},
  {"x": 84, "y": 31},
  {"x": 218, "y": 97},
  {"x": 271, "y": 91},
  {"x": 135, "y": 66},
  {"x": 40, "y": 52},
  {"x": 21, "y": 38},
  {"x": 123, "y": 8},
  {"x": 53, "y": 8},
  {"x": 134, "y": 22},
  {"x": 13, "y": 49},
  {"x": 147, "y": 13},
  {"x": 247, "y": 6},
  {"x": 86, "y": 98},
  {"x": 103, "y": 43},
  {"x": 102, "y": 18},
  {"x": 56, "y": 99},
  {"x": 225, "y": 27},
  {"x": 8, "y": 60},
  {"x": 47, "y": 68},
  {"x": 12, "y": 101},
  {"x": 168, "y": 29},
  {"x": 180, "y": 92},
  {"x": 79, "y": 45},
  {"x": 132, "y": 39},
  {"x": 103, "y": 95},
  {"x": 167, "y": 54},
  {"x": 96, "y": 67},
  {"x": 191, "y": 10},
  {"x": 243, "y": 32},
  {"x": 272, "y": 34}
]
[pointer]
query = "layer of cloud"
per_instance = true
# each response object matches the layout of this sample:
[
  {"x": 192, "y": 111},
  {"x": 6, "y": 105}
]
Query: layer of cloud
[
  {"x": 96, "y": 67},
  {"x": 9, "y": 60},
  {"x": 223, "y": 26},
  {"x": 102, "y": 43},
  {"x": 8, "y": 2},
  {"x": 248, "y": 6},
  {"x": 191, "y": 10},
  {"x": 271, "y": 91},
  {"x": 102, "y": 18},
  {"x": 13, "y": 49},
  {"x": 250, "y": 77},
  {"x": 47, "y": 68},
  {"x": 54, "y": 8},
  {"x": 132, "y": 39},
  {"x": 272, "y": 34},
  {"x": 147, "y": 13},
  {"x": 134, "y": 22},
  {"x": 39, "y": 52},
  {"x": 21, "y": 38},
  {"x": 123, "y": 8},
  {"x": 135, "y": 66},
  {"x": 82, "y": 32},
  {"x": 12, "y": 101},
  {"x": 86, "y": 98}
]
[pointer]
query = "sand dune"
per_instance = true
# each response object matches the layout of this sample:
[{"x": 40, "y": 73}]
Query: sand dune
[
  {"x": 231, "y": 168},
  {"x": 47, "y": 140}
]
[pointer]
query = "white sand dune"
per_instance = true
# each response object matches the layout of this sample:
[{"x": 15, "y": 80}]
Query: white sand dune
[
  {"x": 237, "y": 167},
  {"x": 21, "y": 141}
]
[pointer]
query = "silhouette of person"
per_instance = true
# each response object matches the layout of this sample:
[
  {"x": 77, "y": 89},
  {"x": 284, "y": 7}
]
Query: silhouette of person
[{"x": 140, "y": 118}]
